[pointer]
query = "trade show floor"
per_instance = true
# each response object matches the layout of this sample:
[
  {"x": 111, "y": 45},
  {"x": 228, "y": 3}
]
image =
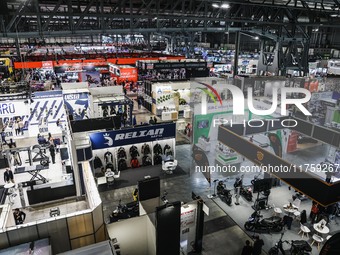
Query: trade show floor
[
  {"x": 216, "y": 239},
  {"x": 279, "y": 196},
  {"x": 131, "y": 176}
]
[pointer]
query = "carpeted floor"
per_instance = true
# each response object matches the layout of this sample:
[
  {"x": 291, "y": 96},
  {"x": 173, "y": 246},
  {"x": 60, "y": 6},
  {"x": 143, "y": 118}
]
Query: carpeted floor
[
  {"x": 131, "y": 176},
  {"x": 218, "y": 224}
]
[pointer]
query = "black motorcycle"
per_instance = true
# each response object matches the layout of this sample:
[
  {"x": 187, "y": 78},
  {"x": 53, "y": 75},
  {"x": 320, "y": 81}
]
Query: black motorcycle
[
  {"x": 126, "y": 211},
  {"x": 223, "y": 193},
  {"x": 298, "y": 247},
  {"x": 246, "y": 192},
  {"x": 255, "y": 223}
]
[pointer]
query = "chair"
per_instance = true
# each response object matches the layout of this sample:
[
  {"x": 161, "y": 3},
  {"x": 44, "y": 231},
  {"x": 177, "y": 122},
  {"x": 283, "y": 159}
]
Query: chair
[
  {"x": 297, "y": 215},
  {"x": 297, "y": 203},
  {"x": 317, "y": 239},
  {"x": 277, "y": 210},
  {"x": 304, "y": 230}
]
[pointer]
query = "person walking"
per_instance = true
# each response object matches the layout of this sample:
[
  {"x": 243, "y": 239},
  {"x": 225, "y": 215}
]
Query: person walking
[
  {"x": 257, "y": 248},
  {"x": 19, "y": 216},
  {"x": 52, "y": 153},
  {"x": 8, "y": 176},
  {"x": 247, "y": 249},
  {"x": 3, "y": 137}
]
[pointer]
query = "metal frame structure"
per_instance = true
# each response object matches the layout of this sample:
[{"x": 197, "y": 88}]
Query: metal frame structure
[{"x": 291, "y": 23}]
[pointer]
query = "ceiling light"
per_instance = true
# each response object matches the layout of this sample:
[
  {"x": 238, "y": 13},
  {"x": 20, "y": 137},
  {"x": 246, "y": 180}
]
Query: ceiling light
[
  {"x": 334, "y": 15},
  {"x": 256, "y": 38},
  {"x": 215, "y": 6},
  {"x": 225, "y": 6}
]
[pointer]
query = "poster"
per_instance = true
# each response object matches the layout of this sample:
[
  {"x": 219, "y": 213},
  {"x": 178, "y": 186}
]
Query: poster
[{"x": 77, "y": 104}]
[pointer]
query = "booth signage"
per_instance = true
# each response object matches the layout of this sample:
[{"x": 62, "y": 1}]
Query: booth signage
[
  {"x": 176, "y": 65},
  {"x": 132, "y": 136},
  {"x": 13, "y": 109}
]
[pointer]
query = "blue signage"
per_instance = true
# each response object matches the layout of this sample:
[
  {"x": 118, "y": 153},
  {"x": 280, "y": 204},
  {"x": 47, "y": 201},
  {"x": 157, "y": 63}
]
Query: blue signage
[
  {"x": 141, "y": 134},
  {"x": 48, "y": 94}
]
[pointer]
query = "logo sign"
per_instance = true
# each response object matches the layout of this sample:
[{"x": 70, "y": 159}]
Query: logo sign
[
  {"x": 7, "y": 109},
  {"x": 132, "y": 136},
  {"x": 259, "y": 155},
  {"x": 239, "y": 100}
]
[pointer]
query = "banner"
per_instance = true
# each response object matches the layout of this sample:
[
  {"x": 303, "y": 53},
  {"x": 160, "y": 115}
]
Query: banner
[
  {"x": 175, "y": 65},
  {"x": 11, "y": 109},
  {"x": 77, "y": 104},
  {"x": 135, "y": 135}
]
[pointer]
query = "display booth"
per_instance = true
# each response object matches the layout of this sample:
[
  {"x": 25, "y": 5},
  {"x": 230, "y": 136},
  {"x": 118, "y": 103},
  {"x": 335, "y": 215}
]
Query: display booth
[
  {"x": 76, "y": 100},
  {"x": 169, "y": 70},
  {"x": 83, "y": 72},
  {"x": 168, "y": 99},
  {"x": 124, "y": 73},
  {"x": 135, "y": 147},
  {"x": 111, "y": 102}
]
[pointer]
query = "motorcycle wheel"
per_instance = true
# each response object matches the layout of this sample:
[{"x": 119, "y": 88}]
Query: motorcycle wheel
[
  {"x": 249, "y": 226},
  {"x": 229, "y": 201},
  {"x": 273, "y": 251}
]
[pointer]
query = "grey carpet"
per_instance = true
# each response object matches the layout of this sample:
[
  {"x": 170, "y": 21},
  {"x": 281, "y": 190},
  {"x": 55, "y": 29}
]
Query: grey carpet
[{"x": 218, "y": 224}]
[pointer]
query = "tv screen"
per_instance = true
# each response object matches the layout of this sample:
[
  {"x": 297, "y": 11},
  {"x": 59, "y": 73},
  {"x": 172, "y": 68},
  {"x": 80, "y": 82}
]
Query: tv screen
[{"x": 203, "y": 124}]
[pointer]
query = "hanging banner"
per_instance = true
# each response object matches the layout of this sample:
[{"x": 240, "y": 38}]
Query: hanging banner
[
  {"x": 77, "y": 104},
  {"x": 11, "y": 109},
  {"x": 135, "y": 135}
]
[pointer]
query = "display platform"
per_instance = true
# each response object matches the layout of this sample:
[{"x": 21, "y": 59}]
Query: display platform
[{"x": 130, "y": 177}]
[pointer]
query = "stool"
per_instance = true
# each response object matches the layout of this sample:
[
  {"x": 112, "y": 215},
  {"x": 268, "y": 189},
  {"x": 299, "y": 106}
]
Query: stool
[
  {"x": 304, "y": 230},
  {"x": 297, "y": 215},
  {"x": 317, "y": 239},
  {"x": 277, "y": 210}
]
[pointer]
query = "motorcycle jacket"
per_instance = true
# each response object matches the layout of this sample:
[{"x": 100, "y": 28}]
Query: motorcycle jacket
[
  {"x": 157, "y": 149},
  {"x": 146, "y": 161},
  {"x": 121, "y": 153},
  {"x": 167, "y": 150},
  {"x": 108, "y": 157},
  {"x": 122, "y": 164},
  {"x": 134, "y": 151},
  {"x": 134, "y": 163},
  {"x": 157, "y": 159},
  {"x": 146, "y": 149}
]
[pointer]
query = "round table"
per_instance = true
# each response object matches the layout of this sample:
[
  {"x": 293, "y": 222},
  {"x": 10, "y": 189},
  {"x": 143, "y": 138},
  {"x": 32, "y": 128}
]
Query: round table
[
  {"x": 322, "y": 230},
  {"x": 290, "y": 210}
]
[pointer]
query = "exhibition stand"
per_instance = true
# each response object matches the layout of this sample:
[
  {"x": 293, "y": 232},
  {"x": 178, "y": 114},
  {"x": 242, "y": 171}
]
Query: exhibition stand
[{"x": 122, "y": 73}]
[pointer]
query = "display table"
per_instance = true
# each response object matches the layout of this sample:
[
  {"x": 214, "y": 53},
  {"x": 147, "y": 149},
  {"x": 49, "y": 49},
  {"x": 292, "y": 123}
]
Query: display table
[
  {"x": 290, "y": 209},
  {"x": 169, "y": 166},
  {"x": 170, "y": 115},
  {"x": 322, "y": 230}
]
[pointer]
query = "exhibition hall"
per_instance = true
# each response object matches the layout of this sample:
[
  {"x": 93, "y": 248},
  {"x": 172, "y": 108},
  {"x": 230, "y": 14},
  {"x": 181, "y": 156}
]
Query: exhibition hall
[{"x": 165, "y": 128}]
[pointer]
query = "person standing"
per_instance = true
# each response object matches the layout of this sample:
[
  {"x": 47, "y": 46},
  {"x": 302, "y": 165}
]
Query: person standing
[
  {"x": 155, "y": 119},
  {"x": 247, "y": 249},
  {"x": 8, "y": 176},
  {"x": 19, "y": 216},
  {"x": 16, "y": 127},
  {"x": 151, "y": 121},
  {"x": 3, "y": 136},
  {"x": 21, "y": 126},
  {"x": 52, "y": 153},
  {"x": 257, "y": 248}
]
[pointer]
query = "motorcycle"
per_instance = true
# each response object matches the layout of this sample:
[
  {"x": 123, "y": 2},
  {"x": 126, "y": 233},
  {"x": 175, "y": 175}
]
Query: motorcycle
[
  {"x": 126, "y": 211},
  {"x": 254, "y": 223},
  {"x": 223, "y": 193},
  {"x": 246, "y": 192},
  {"x": 298, "y": 247}
]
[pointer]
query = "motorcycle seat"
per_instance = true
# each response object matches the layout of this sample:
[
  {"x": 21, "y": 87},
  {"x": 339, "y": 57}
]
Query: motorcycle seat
[
  {"x": 302, "y": 244},
  {"x": 271, "y": 220}
]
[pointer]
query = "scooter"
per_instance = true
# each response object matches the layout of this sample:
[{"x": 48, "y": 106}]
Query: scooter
[
  {"x": 254, "y": 223},
  {"x": 298, "y": 247},
  {"x": 245, "y": 192},
  {"x": 126, "y": 211},
  {"x": 223, "y": 193}
]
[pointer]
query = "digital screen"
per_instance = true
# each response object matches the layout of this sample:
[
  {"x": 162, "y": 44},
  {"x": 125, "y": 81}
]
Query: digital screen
[
  {"x": 203, "y": 124},
  {"x": 326, "y": 135}
]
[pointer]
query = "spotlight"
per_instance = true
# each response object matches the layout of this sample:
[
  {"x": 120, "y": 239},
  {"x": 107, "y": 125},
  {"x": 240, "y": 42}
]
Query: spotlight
[
  {"x": 225, "y": 6},
  {"x": 215, "y": 6}
]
